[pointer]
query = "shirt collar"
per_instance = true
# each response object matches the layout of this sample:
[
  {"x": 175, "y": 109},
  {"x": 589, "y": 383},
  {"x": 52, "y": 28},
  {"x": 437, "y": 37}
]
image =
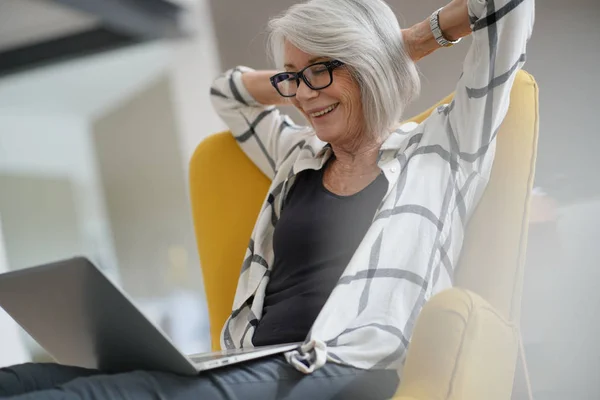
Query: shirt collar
[{"x": 316, "y": 152}]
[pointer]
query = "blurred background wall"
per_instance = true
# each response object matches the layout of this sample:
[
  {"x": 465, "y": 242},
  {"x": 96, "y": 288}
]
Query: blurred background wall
[{"x": 95, "y": 138}]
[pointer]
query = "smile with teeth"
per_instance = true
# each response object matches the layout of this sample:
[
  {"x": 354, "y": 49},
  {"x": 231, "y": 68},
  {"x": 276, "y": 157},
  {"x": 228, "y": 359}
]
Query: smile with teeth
[{"x": 325, "y": 111}]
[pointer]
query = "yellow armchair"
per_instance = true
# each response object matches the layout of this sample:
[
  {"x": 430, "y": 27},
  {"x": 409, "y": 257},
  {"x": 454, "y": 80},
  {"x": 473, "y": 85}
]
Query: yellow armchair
[{"x": 466, "y": 340}]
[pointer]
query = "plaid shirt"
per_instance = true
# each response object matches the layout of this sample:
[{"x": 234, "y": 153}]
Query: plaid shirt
[{"x": 436, "y": 170}]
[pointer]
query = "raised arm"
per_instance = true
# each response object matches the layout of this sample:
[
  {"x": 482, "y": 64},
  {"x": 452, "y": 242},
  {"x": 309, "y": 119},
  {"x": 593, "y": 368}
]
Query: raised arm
[
  {"x": 246, "y": 102},
  {"x": 501, "y": 30}
]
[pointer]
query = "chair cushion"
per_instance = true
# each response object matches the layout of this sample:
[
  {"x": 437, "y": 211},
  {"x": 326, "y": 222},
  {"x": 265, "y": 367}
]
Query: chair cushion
[{"x": 462, "y": 348}]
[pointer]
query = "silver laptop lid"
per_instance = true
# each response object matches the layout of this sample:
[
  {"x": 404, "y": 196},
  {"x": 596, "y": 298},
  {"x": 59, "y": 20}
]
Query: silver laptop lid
[{"x": 80, "y": 318}]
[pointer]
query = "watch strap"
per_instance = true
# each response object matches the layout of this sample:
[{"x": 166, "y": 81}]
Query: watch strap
[{"x": 434, "y": 23}]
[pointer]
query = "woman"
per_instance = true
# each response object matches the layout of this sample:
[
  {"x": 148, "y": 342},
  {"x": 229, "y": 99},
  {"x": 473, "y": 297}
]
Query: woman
[{"x": 364, "y": 220}]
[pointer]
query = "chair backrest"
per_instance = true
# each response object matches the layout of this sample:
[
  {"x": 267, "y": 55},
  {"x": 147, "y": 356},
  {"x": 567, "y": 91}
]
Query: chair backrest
[{"x": 227, "y": 191}]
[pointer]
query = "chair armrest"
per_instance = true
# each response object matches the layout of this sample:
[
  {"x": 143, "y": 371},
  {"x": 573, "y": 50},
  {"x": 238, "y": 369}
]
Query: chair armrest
[{"x": 461, "y": 348}]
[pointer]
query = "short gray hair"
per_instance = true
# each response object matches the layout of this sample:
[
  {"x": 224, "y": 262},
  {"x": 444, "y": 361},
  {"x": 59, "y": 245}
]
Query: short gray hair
[{"x": 366, "y": 36}]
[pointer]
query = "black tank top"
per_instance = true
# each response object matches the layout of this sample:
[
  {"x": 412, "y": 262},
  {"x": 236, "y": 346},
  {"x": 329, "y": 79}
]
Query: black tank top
[{"x": 313, "y": 241}]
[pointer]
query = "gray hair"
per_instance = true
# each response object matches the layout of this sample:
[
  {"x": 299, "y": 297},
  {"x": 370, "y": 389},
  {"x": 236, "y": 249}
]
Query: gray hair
[{"x": 366, "y": 36}]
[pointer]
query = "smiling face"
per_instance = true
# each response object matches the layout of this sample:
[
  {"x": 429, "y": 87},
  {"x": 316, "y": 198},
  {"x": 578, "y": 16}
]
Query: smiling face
[{"x": 335, "y": 112}]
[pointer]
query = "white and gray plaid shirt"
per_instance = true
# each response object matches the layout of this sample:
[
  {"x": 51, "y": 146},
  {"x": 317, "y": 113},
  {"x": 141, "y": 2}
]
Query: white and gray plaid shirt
[{"x": 436, "y": 170}]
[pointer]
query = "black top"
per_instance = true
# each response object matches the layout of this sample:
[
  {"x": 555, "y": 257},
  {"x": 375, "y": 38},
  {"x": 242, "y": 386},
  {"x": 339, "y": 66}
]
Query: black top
[{"x": 316, "y": 236}]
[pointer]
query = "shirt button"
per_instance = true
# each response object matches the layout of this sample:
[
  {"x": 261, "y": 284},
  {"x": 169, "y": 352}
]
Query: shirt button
[{"x": 393, "y": 169}]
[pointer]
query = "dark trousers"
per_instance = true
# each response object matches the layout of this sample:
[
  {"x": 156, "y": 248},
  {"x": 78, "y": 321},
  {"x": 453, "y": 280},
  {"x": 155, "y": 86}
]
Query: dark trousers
[{"x": 268, "y": 378}]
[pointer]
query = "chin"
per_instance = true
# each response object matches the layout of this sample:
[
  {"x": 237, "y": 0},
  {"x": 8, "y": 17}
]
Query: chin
[
  {"x": 327, "y": 135},
  {"x": 332, "y": 131}
]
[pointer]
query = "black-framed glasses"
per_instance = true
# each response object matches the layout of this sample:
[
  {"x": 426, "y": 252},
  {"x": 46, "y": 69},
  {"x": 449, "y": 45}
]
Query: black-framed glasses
[{"x": 316, "y": 76}]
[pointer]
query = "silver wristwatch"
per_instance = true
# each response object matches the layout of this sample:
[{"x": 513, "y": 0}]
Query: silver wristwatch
[{"x": 434, "y": 23}]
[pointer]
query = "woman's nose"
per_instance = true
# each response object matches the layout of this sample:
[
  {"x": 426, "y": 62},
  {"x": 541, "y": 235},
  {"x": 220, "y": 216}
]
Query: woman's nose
[{"x": 305, "y": 93}]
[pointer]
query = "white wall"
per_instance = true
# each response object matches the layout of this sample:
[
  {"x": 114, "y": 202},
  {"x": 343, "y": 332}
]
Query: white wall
[
  {"x": 60, "y": 146},
  {"x": 194, "y": 63},
  {"x": 564, "y": 56}
]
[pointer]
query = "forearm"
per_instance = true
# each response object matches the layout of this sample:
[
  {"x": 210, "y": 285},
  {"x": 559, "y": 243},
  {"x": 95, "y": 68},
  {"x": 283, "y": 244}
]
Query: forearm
[
  {"x": 454, "y": 22},
  {"x": 259, "y": 86}
]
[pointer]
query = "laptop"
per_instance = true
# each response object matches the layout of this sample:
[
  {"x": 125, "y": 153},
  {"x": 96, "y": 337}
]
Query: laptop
[{"x": 81, "y": 318}]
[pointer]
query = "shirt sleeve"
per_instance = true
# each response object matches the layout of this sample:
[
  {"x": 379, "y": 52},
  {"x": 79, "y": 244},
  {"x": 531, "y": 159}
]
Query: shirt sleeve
[
  {"x": 501, "y": 30},
  {"x": 263, "y": 132}
]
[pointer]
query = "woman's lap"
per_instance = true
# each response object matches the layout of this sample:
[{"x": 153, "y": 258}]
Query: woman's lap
[
  {"x": 270, "y": 378},
  {"x": 32, "y": 377}
]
